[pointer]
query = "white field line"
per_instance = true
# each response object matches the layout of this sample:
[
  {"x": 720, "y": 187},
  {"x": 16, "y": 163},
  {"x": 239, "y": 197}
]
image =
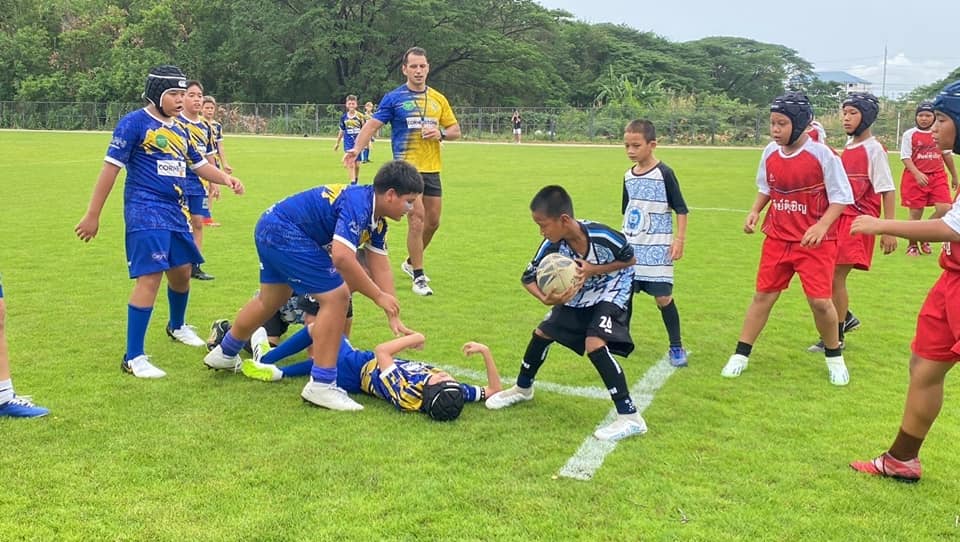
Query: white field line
[
  {"x": 589, "y": 392},
  {"x": 591, "y": 454},
  {"x": 720, "y": 209}
]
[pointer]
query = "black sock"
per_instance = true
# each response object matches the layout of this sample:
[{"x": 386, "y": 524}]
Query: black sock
[
  {"x": 613, "y": 378},
  {"x": 533, "y": 358},
  {"x": 671, "y": 320},
  {"x": 849, "y": 316},
  {"x": 832, "y": 352},
  {"x": 417, "y": 273},
  {"x": 743, "y": 349}
]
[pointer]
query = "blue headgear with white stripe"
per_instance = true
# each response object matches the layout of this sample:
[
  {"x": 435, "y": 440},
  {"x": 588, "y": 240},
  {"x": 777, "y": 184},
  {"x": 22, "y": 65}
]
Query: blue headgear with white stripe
[
  {"x": 797, "y": 108},
  {"x": 868, "y": 105},
  {"x": 161, "y": 80},
  {"x": 948, "y": 103}
]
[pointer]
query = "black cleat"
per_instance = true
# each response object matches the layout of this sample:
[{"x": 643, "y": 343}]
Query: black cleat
[
  {"x": 199, "y": 274},
  {"x": 218, "y": 330}
]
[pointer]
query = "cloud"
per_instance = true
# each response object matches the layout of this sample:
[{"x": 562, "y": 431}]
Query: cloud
[{"x": 903, "y": 74}]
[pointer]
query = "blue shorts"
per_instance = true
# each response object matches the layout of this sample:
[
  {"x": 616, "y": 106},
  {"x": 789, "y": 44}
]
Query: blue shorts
[
  {"x": 199, "y": 205},
  {"x": 309, "y": 270},
  {"x": 155, "y": 251}
]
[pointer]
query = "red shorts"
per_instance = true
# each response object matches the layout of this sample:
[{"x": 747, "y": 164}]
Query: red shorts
[
  {"x": 781, "y": 259},
  {"x": 914, "y": 196},
  {"x": 855, "y": 250},
  {"x": 938, "y": 324}
]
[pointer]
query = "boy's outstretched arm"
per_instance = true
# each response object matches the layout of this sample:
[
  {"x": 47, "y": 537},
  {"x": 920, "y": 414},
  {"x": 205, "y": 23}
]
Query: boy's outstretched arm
[
  {"x": 919, "y": 230},
  {"x": 345, "y": 260},
  {"x": 385, "y": 352},
  {"x": 90, "y": 223},
  {"x": 493, "y": 376}
]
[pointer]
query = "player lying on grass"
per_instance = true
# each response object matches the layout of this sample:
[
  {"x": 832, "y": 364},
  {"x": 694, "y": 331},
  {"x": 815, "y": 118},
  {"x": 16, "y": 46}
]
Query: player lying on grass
[{"x": 408, "y": 385}]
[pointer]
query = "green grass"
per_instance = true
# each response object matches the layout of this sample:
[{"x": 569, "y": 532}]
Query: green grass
[{"x": 211, "y": 456}]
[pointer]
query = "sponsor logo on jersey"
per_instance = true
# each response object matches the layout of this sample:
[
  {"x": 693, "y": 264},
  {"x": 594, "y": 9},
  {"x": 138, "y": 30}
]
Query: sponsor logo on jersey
[
  {"x": 171, "y": 168},
  {"x": 162, "y": 141}
]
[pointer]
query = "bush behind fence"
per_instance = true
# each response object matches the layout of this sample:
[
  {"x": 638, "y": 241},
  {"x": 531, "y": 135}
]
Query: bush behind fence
[{"x": 705, "y": 126}]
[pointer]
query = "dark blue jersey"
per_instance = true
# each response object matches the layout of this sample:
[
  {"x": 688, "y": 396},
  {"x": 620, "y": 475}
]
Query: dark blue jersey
[
  {"x": 157, "y": 156},
  {"x": 350, "y": 127},
  {"x": 325, "y": 213},
  {"x": 604, "y": 245}
]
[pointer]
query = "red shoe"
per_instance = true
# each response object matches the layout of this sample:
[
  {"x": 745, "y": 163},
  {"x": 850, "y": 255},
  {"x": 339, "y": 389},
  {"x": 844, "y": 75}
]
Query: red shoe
[
  {"x": 912, "y": 250},
  {"x": 925, "y": 248},
  {"x": 211, "y": 223},
  {"x": 891, "y": 467}
]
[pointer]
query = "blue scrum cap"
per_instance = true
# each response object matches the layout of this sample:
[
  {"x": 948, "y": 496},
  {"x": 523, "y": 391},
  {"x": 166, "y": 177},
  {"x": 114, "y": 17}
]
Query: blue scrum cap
[
  {"x": 948, "y": 103},
  {"x": 797, "y": 108},
  {"x": 868, "y": 105}
]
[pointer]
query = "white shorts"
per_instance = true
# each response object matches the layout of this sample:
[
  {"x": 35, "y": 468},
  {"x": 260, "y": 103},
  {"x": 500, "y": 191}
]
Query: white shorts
[{"x": 516, "y": 131}]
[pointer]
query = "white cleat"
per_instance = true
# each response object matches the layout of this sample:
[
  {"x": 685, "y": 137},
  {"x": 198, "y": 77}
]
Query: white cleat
[
  {"x": 328, "y": 396},
  {"x": 408, "y": 269},
  {"x": 626, "y": 425},
  {"x": 260, "y": 344},
  {"x": 839, "y": 376},
  {"x": 735, "y": 365},
  {"x": 217, "y": 360},
  {"x": 141, "y": 367},
  {"x": 187, "y": 335},
  {"x": 509, "y": 397},
  {"x": 420, "y": 286}
]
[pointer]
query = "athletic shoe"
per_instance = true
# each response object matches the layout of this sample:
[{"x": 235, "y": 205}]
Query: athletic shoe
[
  {"x": 187, "y": 335},
  {"x": 888, "y": 466},
  {"x": 260, "y": 344},
  {"x": 624, "y": 426},
  {"x": 925, "y": 248},
  {"x": 420, "y": 286},
  {"x": 735, "y": 365},
  {"x": 217, "y": 360},
  {"x": 509, "y": 397},
  {"x": 851, "y": 323},
  {"x": 199, "y": 274},
  {"x": 408, "y": 269},
  {"x": 22, "y": 407},
  {"x": 838, "y": 371},
  {"x": 820, "y": 348},
  {"x": 328, "y": 396},
  {"x": 218, "y": 330},
  {"x": 678, "y": 356},
  {"x": 210, "y": 223},
  {"x": 912, "y": 250},
  {"x": 260, "y": 371},
  {"x": 141, "y": 367}
]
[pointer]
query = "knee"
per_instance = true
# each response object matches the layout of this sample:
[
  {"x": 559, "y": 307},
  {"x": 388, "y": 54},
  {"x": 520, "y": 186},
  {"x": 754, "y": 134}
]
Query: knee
[
  {"x": 822, "y": 306},
  {"x": 663, "y": 300},
  {"x": 593, "y": 344}
]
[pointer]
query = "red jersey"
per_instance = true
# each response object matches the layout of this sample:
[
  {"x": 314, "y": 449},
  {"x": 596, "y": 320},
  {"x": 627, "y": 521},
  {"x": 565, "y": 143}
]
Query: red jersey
[
  {"x": 817, "y": 133},
  {"x": 950, "y": 257},
  {"x": 801, "y": 186},
  {"x": 918, "y": 145},
  {"x": 868, "y": 170}
]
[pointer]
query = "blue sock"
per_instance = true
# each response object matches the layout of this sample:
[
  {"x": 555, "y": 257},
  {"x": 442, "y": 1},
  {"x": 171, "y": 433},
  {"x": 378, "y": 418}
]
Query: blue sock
[
  {"x": 324, "y": 375},
  {"x": 297, "y": 342},
  {"x": 138, "y": 318},
  {"x": 231, "y": 345},
  {"x": 302, "y": 368},
  {"x": 178, "y": 307}
]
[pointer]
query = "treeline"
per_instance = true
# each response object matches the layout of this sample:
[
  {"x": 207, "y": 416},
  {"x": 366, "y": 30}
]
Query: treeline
[{"x": 482, "y": 52}]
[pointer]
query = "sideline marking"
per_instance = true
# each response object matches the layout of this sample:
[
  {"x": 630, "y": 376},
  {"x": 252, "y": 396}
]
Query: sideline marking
[
  {"x": 589, "y": 392},
  {"x": 589, "y": 457},
  {"x": 720, "y": 209}
]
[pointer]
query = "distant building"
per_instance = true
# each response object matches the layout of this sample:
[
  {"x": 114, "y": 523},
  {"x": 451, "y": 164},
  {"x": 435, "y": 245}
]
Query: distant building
[{"x": 846, "y": 82}]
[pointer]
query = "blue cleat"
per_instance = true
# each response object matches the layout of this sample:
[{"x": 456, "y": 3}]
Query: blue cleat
[
  {"x": 21, "y": 407},
  {"x": 678, "y": 356}
]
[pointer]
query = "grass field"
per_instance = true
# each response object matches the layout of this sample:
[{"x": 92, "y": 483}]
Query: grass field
[{"x": 202, "y": 456}]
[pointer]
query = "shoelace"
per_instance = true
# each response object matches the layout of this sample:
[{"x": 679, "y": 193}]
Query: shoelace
[{"x": 22, "y": 400}]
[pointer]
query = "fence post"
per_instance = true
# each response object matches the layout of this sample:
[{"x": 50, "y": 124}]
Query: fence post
[{"x": 479, "y": 122}]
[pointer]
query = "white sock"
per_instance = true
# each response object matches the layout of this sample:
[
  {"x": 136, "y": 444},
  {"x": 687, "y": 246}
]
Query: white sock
[{"x": 6, "y": 390}]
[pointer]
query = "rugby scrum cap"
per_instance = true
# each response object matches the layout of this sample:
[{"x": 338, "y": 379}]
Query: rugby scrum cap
[
  {"x": 867, "y": 104},
  {"x": 925, "y": 105},
  {"x": 948, "y": 103},
  {"x": 161, "y": 80},
  {"x": 443, "y": 401},
  {"x": 797, "y": 108}
]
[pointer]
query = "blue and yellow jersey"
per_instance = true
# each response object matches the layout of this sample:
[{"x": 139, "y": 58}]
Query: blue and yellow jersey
[
  {"x": 401, "y": 384},
  {"x": 350, "y": 127},
  {"x": 216, "y": 133},
  {"x": 604, "y": 245},
  {"x": 407, "y": 112},
  {"x": 201, "y": 135},
  {"x": 325, "y": 213},
  {"x": 157, "y": 157}
]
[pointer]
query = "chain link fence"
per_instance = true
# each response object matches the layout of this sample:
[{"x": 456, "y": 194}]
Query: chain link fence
[{"x": 748, "y": 127}]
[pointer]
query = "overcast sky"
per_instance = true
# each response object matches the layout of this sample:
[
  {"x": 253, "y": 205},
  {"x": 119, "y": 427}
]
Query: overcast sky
[{"x": 832, "y": 35}]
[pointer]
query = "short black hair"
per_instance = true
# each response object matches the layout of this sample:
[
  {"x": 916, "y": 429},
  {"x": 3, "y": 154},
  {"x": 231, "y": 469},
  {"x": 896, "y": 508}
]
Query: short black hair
[
  {"x": 419, "y": 51},
  {"x": 553, "y": 201},
  {"x": 399, "y": 175},
  {"x": 643, "y": 127},
  {"x": 194, "y": 83}
]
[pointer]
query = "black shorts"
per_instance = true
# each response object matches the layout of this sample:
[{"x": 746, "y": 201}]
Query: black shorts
[
  {"x": 278, "y": 324},
  {"x": 656, "y": 289},
  {"x": 431, "y": 185},
  {"x": 571, "y": 326}
]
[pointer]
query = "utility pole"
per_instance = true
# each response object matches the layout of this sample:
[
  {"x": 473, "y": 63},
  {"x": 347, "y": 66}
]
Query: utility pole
[{"x": 883, "y": 84}]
